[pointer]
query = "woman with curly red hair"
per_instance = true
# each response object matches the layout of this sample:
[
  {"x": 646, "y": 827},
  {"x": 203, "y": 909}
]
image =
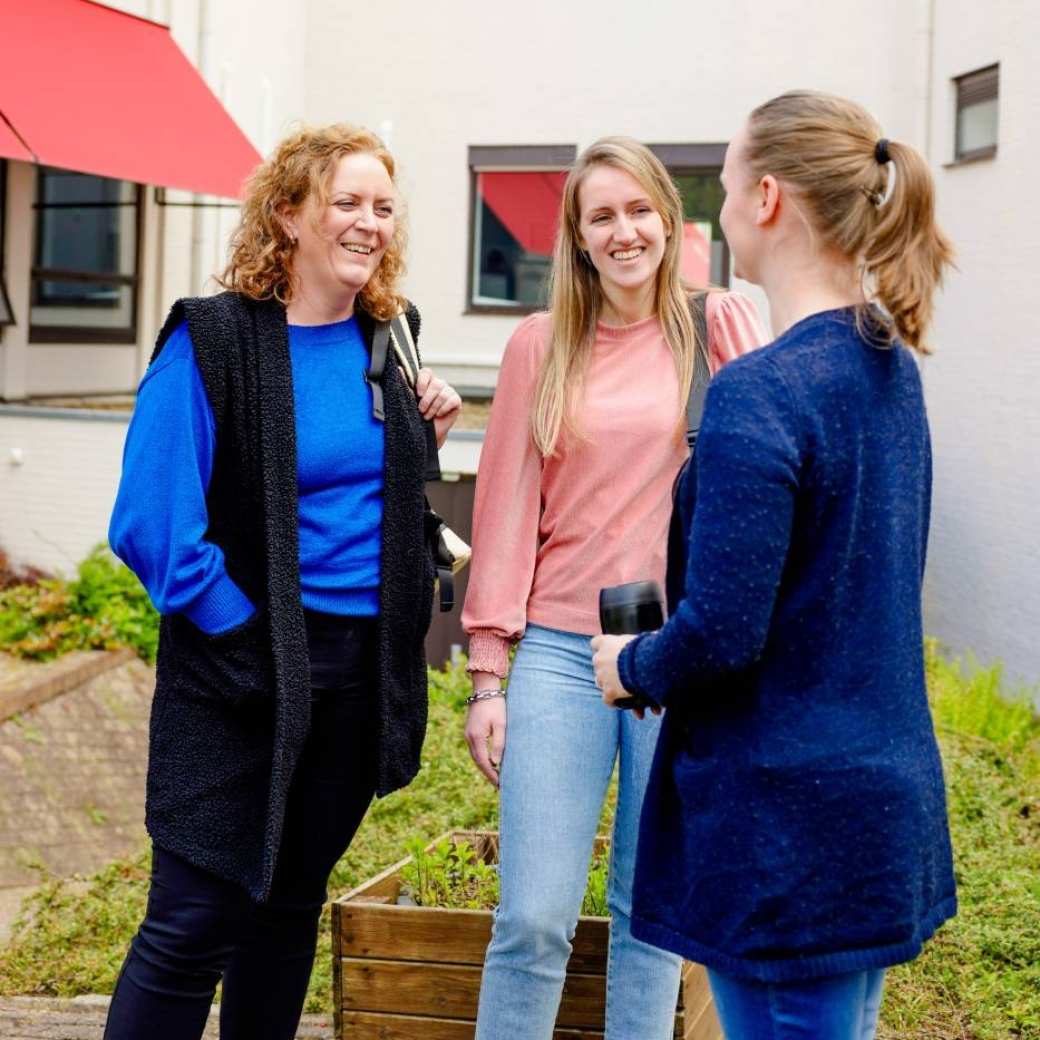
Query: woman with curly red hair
[{"x": 272, "y": 504}]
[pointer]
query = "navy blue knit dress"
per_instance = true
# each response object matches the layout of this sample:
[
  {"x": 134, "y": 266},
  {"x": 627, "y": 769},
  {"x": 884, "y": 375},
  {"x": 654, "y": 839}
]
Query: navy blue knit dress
[{"x": 795, "y": 823}]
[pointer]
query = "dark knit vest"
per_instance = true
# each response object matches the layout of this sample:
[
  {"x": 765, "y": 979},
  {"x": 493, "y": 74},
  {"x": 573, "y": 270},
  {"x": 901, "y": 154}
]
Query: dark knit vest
[{"x": 232, "y": 711}]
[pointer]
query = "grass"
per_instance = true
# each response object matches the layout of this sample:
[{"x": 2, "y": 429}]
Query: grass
[{"x": 978, "y": 980}]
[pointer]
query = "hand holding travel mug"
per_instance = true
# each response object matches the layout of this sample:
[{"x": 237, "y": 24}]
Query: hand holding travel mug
[{"x": 629, "y": 609}]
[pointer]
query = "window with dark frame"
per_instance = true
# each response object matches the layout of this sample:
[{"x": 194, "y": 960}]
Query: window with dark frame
[
  {"x": 977, "y": 113},
  {"x": 6, "y": 313},
  {"x": 695, "y": 168},
  {"x": 85, "y": 275},
  {"x": 515, "y": 194}
]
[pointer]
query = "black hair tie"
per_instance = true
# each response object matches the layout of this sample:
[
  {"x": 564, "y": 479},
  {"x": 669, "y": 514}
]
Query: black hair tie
[{"x": 881, "y": 151}]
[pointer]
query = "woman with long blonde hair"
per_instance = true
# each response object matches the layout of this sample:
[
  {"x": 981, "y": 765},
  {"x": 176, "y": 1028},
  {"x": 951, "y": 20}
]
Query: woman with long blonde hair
[
  {"x": 272, "y": 504},
  {"x": 574, "y": 493},
  {"x": 794, "y": 837}
]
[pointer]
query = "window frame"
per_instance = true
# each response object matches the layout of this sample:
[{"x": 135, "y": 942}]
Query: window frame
[
  {"x": 971, "y": 88},
  {"x": 510, "y": 158},
  {"x": 706, "y": 158},
  {"x": 89, "y": 334},
  {"x": 7, "y": 315}
]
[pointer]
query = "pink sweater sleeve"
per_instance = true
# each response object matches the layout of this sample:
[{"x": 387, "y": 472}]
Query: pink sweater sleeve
[
  {"x": 506, "y": 508},
  {"x": 734, "y": 327}
]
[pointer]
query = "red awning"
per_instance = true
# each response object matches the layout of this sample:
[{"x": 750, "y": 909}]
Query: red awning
[
  {"x": 10, "y": 146},
  {"x": 92, "y": 89},
  {"x": 528, "y": 204}
]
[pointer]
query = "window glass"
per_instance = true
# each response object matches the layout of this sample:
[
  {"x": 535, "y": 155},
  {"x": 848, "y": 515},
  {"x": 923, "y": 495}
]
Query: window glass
[
  {"x": 515, "y": 219},
  {"x": 86, "y": 253},
  {"x": 705, "y": 254},
  {"x": 6, "y": 314},
  {"x": 977, "y": 112},
  {"x": 977, "y": 127}
]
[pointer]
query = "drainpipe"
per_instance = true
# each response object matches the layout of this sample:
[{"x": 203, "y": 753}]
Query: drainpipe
[
  {"x": 928, "y": 34},
  {"x": 204, "y": 60},
  {"x": 929, "y": 71}
]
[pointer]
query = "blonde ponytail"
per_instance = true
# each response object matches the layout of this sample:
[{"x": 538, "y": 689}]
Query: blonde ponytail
[
  {"x": 826, "y": 148},
  {"x": 906, "y": 251}
]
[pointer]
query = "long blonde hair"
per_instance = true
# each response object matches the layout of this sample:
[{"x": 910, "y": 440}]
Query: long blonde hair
[
  {"x": 825, "y": 147},
  {"x": 301, "y": 167},
  {"x": 576, "y": 297}
]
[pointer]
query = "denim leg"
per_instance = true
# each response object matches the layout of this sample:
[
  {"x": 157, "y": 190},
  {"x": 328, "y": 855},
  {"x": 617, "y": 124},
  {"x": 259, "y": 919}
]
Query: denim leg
[
  {"x": 838, "y": 1007},
  {"x": 871, "y": 1005},
  {"x": 642, "y": 981},
  {"x": 560, "y": 748}
]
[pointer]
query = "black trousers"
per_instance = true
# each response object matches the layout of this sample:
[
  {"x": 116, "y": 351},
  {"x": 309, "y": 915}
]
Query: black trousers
[{"x": 200, "y": 929}]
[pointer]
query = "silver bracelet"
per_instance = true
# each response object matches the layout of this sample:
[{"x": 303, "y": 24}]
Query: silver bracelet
[{"x": 484, "y": 695}]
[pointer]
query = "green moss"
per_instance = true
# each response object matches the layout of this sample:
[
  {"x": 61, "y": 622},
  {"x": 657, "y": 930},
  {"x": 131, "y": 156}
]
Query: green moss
[{"x": 979, "y": 979}]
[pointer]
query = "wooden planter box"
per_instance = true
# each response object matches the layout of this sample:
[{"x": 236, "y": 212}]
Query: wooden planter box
[{"x": 413, "y": 973}]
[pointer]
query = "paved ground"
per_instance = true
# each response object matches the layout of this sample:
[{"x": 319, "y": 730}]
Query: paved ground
[
  {"x": 72, "y": 769},
  {"x": 38, "y": 1018}
]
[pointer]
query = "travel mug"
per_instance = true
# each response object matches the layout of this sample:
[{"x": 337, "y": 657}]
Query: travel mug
[{"x": 637, "y": 606}]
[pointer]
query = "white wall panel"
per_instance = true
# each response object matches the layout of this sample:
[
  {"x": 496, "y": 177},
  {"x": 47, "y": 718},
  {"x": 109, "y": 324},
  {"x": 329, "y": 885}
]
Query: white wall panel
[{"x": 58, "y": 479}]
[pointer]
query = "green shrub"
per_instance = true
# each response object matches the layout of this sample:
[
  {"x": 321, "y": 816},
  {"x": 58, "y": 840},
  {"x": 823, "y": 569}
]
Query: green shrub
[
  {"x": 105, "y": 606},
  {"x": 452, "y": 875}
]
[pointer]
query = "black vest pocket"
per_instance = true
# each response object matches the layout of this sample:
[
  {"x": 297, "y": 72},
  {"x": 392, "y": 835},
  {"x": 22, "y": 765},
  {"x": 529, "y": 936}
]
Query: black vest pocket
[{"x": 235, "y": 666}]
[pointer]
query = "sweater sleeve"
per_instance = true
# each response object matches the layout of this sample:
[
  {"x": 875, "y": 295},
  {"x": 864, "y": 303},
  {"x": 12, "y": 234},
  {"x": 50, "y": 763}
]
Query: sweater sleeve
[
  {"x": 734, "y": 327},
  {"x": 506, "y": 510},
  {"x": 748, "y": 460},
  {"x": 160, "y": 519}
]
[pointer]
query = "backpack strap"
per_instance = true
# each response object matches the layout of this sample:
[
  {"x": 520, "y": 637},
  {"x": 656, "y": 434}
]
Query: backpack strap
[
  {"x": 376, "y": 366},
  {"x": 701, "y": 372},
  {"x": 408, "y": 358},
  {"x": 405, "y": 349}
]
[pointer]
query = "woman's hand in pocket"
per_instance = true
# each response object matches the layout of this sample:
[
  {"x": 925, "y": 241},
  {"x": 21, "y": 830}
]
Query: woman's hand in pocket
[{"x": 486, "y": 735}]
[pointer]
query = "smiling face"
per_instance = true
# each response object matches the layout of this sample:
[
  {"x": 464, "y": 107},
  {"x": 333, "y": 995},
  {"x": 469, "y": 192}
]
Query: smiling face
[
  {"x": 620, "y": 230},
  {"x": 339, "y": 245}
]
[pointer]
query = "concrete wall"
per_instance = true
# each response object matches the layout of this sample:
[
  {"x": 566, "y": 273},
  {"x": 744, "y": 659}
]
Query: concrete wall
[{"x": 983, "y": 384}]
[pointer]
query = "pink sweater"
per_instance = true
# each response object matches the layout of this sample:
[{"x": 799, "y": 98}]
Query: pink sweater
[{"x": 548, "y": 534}]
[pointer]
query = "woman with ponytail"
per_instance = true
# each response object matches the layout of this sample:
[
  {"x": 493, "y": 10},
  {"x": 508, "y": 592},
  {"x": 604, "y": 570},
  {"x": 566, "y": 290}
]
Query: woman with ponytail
[
  {"x": 794, "y": 836},
  {"x": 574, "y": 493}
]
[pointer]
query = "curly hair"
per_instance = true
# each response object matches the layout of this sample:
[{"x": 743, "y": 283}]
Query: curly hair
[{"x": 260, "y": 255}]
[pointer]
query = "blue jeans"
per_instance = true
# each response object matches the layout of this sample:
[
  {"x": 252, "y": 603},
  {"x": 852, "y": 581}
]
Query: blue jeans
[
  {"x": 561, "y": 744},
  {"x": 838, "y": 1007}
]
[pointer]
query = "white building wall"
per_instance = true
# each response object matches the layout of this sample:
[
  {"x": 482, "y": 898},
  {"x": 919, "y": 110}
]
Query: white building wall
[
  {"x": 441, "y": 78},
  {"x": 449, "y": 76},
  {"x": 983, "y": 384},
  {"x": 58, "y": 479}
]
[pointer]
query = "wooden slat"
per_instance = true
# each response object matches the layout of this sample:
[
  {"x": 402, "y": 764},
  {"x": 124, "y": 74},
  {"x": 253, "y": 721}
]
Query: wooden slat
[
  {"x": 451, "y": 991},
  {"x": 701, "y": 1020},
  {"x": 365, "y": 1025},
  {"x": 435, "y": 934},
  {"x": 386, "y": 884}
]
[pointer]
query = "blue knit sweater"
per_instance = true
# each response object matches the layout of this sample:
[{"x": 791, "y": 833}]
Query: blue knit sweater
[
  {"x": 795, "y": 823},
  {"x": 159, "y": 522}
]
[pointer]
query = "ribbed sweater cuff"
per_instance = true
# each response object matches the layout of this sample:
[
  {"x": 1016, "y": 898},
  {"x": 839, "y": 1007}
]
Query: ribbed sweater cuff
[
  {"x": 221, "y": 607},
  {"x": 488, "y": 652},
  {"x": 626, "y": 669}
]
